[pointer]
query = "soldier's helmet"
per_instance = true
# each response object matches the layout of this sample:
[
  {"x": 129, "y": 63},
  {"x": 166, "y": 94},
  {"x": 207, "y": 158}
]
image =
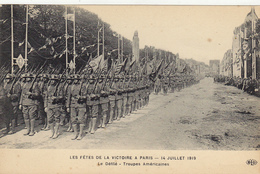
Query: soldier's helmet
[
  {"x": 23, "y": 76},
  {"x": 77, "y": 77},
  {"x": 9, "y": 76},
  {"x": 116, "y": 78},
  {"x": 54, "y": 77},
  {"x": 92, "y": 77},
  {"x": 29, "y": 75},
  {"x": 45, "y": 76},
  {"x": 70, "y": 77}
]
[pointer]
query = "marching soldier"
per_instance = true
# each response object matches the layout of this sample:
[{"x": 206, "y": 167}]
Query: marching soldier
[
  {"x": 76, "y": 105},
  {"x": 125, "y": 86},
  {"x": 102, "y": 89},
  {"x": 53, "y": 105},
  {"x": 131, "y": 94},
  {"x": 63, "y": 109},
  {"x": 5, "y": 107},
  {"x": 119, "y": 97},
  {"x": 157, "y": 85},
  {"x": 43, "y": 88},
  {"x": 112, "y": 101},
  {"x": 92, "y": 104},
  {"x": 28, "y": 103},
  {"x": 13, "y": 91},
  {"x": 66, "y": 88}
]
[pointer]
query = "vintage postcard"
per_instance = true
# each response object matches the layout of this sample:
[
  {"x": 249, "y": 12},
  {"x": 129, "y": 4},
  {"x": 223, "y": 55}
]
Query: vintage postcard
[{"x": 129, "y": 89}]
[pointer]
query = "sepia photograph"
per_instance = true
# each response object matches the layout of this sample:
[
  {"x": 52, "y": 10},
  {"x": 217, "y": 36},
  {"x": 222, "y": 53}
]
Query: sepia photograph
[{"x": 156, "y": 80}]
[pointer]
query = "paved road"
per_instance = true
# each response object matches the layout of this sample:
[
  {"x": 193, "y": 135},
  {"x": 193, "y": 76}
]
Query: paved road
[{"x": 205, "y": 116}]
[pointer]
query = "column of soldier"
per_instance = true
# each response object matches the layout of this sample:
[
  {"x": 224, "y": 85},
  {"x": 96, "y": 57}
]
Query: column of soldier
[
  {"x": 174, "y": 83},
  {"x": 79, "y": 101},
  {"x": 249, "y": 85}
]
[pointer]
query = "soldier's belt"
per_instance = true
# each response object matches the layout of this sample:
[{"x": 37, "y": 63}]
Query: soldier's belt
[{"x": 82, "y": 100}]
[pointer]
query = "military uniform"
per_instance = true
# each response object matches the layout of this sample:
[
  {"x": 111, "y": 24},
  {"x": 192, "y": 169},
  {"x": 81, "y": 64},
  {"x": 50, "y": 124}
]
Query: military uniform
[
  {"x": 76, "y": 102},
  {"x": 112, "y": 101},
  {"x": 53, "y": 104},
  {"x": 125, "y": 97},
  {"x": 14, "y": 96},
  {"x": 28, "y": 103},
  {"x": 43, "y": 88},
  {"x": 119, "y": 98},
  {"x": 92, "y": 104},
  {"x": 66, "y": 89},
  {"x": 103, "y": 101}
]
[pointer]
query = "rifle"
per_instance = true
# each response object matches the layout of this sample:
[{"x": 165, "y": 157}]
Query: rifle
[
  {"x": 103, "y": 86},
  {"x": 81, "y": 84},
  {"x": 56, "y": 89},
  {"x": 97, "y": 80},
  {"x": 39, "y": 72},
  {"x": 16, "y": 79}
]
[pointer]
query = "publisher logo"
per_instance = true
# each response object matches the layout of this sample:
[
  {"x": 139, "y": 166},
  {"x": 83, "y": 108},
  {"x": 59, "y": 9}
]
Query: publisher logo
[{"x": 251, "y": 162}]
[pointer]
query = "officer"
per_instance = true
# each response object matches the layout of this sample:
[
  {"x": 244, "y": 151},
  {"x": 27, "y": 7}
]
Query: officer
[
  {"x": 76, "y": 105},
  {"x": 102, "y": 89},
  {"x": 92, "y": 103},
  {"x": 53, "y": 105},
  {"x": 28, "y": 103}
]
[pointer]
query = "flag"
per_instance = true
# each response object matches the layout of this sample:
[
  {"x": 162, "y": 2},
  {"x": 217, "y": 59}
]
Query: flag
[
  {"x": 71, "y": 17},
  {"x": 21, "y": 43},
  {"x": 31, "y": 50},
  {"x": 149, "y": 67},
  {"x": 95, "y": 63},
  {"x": 43, "y": 47},
  {"x": 121, "y": 66}
]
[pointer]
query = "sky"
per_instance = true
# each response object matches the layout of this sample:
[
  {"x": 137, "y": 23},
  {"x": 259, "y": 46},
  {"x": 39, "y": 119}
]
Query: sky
[{"x": 199, "y": 32}]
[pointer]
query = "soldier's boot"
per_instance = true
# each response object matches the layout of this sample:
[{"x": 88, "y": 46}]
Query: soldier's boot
[
  {"x": 136, "y": 105},
  {"x": 76, "y": 132},
  {"x": 27, "y": 124},
  {"x": 45, "y": 123},
  {"x": 89, "y": 126},
  {"x": 47, "y": 127},
  {"x": 118, "y": 114},
  {"x": 99, "y": 121},
  {"x": 104, "y": 120},
  {"x": 32, "y": 127},
  {"x": 62, "y": 119},
  {"x": 70, "y": 129},
  {"x": 13, "y": 127},
  {"x": 93, "y": 125},
  {"x": 56, "y": 131},
  {"x": 43, "y": 119},
  {"x": 16, "y": 120},
  {"x": 81, "y": 128},
  {"x": 123, "y": 112},
  {"x": 127, "y": 113},
  {"x": 115, "y": 114},
  {"x": 52, "y": 129},
  {"x": 110, "y": 121}
]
